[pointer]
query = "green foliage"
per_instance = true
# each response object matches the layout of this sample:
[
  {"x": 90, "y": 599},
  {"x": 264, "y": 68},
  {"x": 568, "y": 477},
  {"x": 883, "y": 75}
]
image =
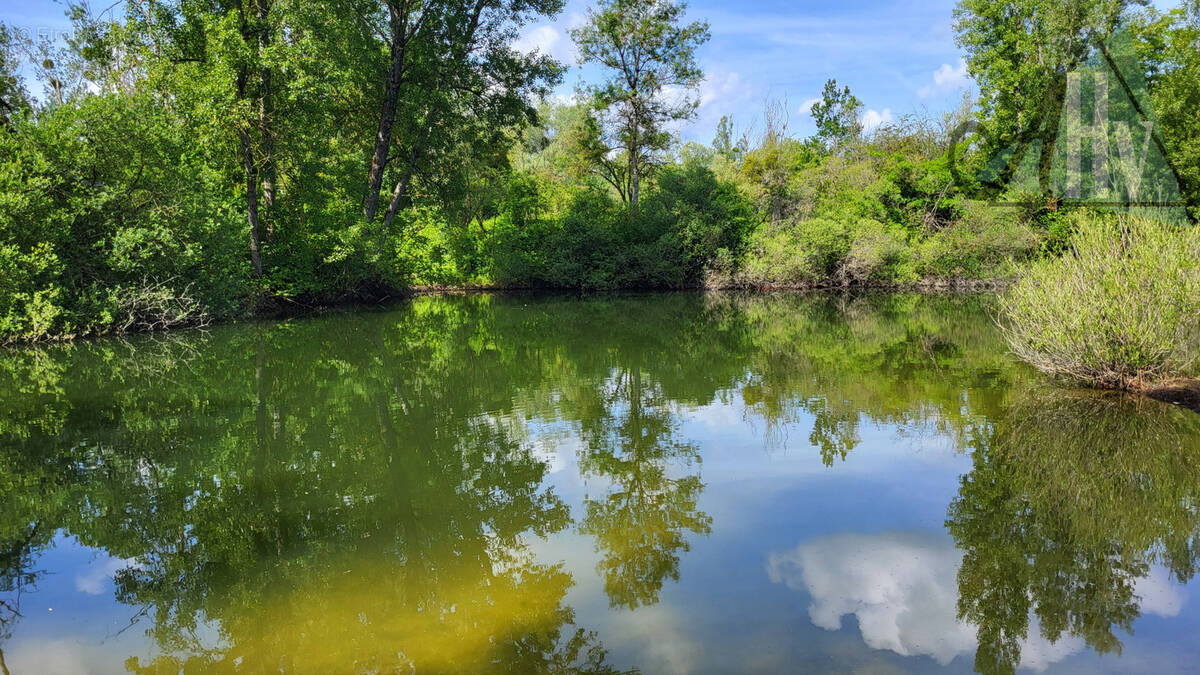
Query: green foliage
[
  {"x": 105, "y": 195},
  {"x": 1120, "y": 310},
  {"x": 886, "y": 211},
  {"x": 1020, "y": 51},
  {"x": 983, "y": 243},
  {"x": 712, "y": 219},
  {"x": 29, "y": 299},
  {"x": 1071, "y": 499},
  {"x": 650, "y": 56},
  {"x": 1169, "y": 45},
  {"x": 837, "y": 116},
  {"x": 195, "y": 161}
]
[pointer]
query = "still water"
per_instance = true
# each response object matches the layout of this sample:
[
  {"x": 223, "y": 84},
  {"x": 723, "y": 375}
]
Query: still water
[{"x": 658, "y": 484}]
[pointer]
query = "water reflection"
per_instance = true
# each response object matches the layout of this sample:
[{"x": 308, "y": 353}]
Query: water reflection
[
  {"x": 371, "y": 494},
  {"x": 1071, "y": 501},
  {"x": 901, "y": 589},
  {"x": 641, "y": 523}
]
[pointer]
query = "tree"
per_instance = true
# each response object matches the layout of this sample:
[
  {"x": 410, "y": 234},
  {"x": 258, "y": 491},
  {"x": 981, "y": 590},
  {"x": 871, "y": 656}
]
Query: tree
[
  {"x": 451, "y": 63},
  {"x": 837, "y": 116},
  {"x": 1169, "y": 46},
  {"x": 1070, "y": 501},
  {"x": 653, "y": 79},
  {"x": 723, "y": 143},
  {"x": 1020, "y": 53},
  {"x": 230, "y": 41},
  {"x": 12, "y": 93}
]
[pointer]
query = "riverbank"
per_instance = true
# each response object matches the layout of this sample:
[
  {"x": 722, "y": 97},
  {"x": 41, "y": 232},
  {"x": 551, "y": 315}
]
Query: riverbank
[
  {"x": 1183, "y": 393},
  {"x": 267, "y": 308}
]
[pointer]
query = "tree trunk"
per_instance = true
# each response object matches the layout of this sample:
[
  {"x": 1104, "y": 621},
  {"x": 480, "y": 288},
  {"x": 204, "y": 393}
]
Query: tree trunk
[
  {"x": 635, "y": 177},
  {"x": 635, "y": 158},
  {"x": 387, "y": 115},
  {"x": 402, "y": 186},
  {"x": 400, "y": 38},
  {"x": 398, "y": 195},
  {"x": 247, "y": 147},
  {"x": 251, "y": 201},
  {"x": 266, "y": 114}
]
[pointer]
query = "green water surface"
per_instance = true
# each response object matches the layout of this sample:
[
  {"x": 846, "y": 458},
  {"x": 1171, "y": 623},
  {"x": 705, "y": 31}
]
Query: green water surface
[{"x": 679, "y": 483}]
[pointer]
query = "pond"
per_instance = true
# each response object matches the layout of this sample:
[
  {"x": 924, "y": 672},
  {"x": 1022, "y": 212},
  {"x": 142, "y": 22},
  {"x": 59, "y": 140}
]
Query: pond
[{"x": 679, "y": 483}]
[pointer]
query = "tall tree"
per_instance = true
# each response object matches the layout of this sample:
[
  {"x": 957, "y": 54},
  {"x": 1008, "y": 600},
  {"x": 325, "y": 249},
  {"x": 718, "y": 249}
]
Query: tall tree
[
  {"x": 723, "y": 142},
  {"x": 211, "y": 44},
  {"x": 254, "y": 92},
  {"x": 1169, "y": 46},
  {"x": 451, "y": 63},
  {"x": 1021, "y": 51},
  {"x": 837, "y": 116},
  {"x": 653, "y": 80},
  {"x": 12, "y": 93},
  {"x": 406, "y": 20}
]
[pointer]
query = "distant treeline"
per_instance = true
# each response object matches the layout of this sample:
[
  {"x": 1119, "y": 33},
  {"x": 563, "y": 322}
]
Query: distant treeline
[{"x": 172, "y": 162}]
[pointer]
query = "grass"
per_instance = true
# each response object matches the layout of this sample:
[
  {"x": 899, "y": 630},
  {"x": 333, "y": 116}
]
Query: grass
[{"x": 1119, "y": 310}]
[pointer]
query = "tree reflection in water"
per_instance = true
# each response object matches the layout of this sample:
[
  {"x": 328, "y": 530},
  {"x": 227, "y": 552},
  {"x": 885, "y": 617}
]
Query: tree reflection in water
[
  {"x": 640, "y": 526},
  {"x": 1071, "y": 499},
  {"x": 364, "y": 495}
]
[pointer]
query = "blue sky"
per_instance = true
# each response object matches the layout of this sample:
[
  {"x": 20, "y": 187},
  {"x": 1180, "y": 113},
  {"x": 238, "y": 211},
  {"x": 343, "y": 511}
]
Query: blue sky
[{"x": 897, "y": 56}]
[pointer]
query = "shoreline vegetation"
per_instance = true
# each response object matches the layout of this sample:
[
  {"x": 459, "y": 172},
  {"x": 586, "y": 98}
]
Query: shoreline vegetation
[
  {"x": 1119, "y": 310},
  {"x": 181, "y": 163}
]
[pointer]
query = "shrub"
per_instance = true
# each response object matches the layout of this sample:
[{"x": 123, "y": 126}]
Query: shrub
[
  {"x": 978, "y": 245},
  {"x": 155, "y": 306},
  {"x": 696, "y": 216},
  {"x": 29, "y": 299},
  {"x": 579, "y": 252},
  {"x": 801, "y": 252},
  {"x": 99, "y": 195},
  {"x": 1120, "y": 310},
  {"x": 878, "y": 254}
]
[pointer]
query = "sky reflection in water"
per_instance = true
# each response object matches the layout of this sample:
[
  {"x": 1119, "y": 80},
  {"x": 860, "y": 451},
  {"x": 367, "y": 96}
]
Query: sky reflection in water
[{"x": 664, "y": 483}]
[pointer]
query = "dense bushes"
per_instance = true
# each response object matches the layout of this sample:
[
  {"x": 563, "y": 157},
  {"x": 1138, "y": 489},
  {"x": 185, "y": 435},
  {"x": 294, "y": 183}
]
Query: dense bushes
[
  {"x": 884, "y": 211},
  {"x": 690, "y": 224},
  {"x": 113, "y": 217},
  {"x": 1120, "y": 310},
  {"x": 108, "y": 216}
]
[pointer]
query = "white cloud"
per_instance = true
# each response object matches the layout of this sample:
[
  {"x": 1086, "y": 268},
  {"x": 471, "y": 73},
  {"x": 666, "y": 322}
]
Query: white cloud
[
  {"x": 723, "y": 87},
  {"x": 873, "y": 119},
  {"x": 56, "y": 657},
  {"x": 95, "y": 580},
  {"x": 666, "y": 644},
  {"x": 1158, "y": 595},
  {"x": 719, "y": 417},
  {"x": 946, "y": 79},
  {"x": 548, "y": 40},
  {"x": 723, "y": 92},
  {"x": 807, "y": 106},
  {"x": 903, "y": 589}
]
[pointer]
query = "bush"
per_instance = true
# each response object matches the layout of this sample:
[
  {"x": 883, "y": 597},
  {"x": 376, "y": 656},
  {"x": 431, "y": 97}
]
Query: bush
[
  {"x": 98, "y": 196},
  {"x": 1120, "y": 310},
  {"x": 878, "y": 254},
  {"x": 29, "y": 297},
  {"x": 978, "y": 245},
  {"x": 823, "y": 250},
  {"x": 801, "y": 252},
  {"x": 697, "y": 219}
]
